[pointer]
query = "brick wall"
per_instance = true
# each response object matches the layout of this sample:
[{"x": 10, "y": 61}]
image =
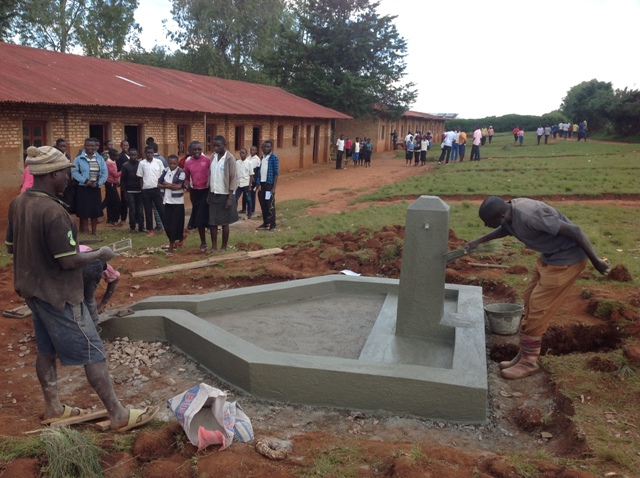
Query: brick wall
[{"x": 73, "y": 124}]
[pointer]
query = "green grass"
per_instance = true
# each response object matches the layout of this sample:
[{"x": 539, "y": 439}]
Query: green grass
[
  {"x": 71, "y": 453},
  {"x": 605, "y": 406},
  {"x": 339, "y": 461},
  {"x": 561, "y": 168},
  {"x": 18, "y": 447}
]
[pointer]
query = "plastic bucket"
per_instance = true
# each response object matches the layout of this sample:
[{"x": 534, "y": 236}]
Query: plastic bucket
[{"x": 504, "y": 319}]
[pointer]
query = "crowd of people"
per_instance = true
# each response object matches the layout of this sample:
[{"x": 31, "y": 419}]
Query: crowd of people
[
  {"x": 358, "y": 151},
  {"x": 565, "y": 130},
  {"x": 453, "y": 144},
  {"x": 152, "y": 189}
]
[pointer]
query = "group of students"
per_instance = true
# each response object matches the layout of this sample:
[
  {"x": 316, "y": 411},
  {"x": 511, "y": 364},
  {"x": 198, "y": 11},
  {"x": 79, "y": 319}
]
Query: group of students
[
  {"x": 564, "y": 130},
  {"x": 152, "y": 189},
  {"x": 416, "y": 147},
  {"x": 358, "y": 151},
  {"x": 453, "y": 144},
  {"x": 215, "y": 185}
]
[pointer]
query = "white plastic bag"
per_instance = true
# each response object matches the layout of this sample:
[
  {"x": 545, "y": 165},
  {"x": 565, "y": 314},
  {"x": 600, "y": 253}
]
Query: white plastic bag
[{"x": 208, "y": 419}]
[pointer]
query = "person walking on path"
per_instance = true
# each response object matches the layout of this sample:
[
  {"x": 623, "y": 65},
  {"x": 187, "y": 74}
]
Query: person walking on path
[
  {"x": 267, "y": 178},
  {"x": 48, "y": 274},
  {"x": 564, "y": 249}
]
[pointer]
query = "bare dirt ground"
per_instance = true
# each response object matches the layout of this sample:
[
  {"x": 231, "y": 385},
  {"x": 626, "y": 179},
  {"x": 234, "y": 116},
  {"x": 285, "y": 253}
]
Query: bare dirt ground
[{"x": 527, "y": 417}]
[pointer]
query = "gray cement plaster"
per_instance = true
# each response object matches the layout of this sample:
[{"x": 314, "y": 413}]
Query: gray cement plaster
[
  {"x": 421, "y": 300},
  {"x": 334, "y": 325},
  {"x": 413, "y": 346},
  {"x": 452, "y": 388}
]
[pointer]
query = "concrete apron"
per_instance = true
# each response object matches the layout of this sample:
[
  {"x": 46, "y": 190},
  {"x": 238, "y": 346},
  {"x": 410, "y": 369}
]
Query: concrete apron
[{"x": 436, "y": 378}]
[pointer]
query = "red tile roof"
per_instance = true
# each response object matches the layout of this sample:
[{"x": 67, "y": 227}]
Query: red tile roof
[{"x": 30, "y": 75}]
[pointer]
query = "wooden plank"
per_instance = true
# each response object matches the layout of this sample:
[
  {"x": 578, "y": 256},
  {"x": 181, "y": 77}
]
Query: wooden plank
[
  {"x": 19, "y": 312},
  {"x": 236, "y": 256},
  {"x": 489, "y": 266},
  {"x": 87, "y": 417}
]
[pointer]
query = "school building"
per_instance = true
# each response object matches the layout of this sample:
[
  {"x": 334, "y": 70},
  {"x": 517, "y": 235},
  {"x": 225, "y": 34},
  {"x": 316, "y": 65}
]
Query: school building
[
  {"x": 380, "y": 129},
  {"x": 45, "y": 95}
]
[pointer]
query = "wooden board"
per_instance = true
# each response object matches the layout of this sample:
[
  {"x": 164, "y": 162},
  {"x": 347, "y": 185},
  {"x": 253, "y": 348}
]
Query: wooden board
[
  {"x": 88, "y": 417},
  {"x": 237, "y": 256},
  {"x": 19, "y": 312}
]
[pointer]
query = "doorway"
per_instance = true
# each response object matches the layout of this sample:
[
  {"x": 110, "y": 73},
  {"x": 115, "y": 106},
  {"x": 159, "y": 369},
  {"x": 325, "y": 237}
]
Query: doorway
[
  {"x": 132, "y": 136},
  {"x": 255, "y": 137},
  {"x": 99, "y": 131}
]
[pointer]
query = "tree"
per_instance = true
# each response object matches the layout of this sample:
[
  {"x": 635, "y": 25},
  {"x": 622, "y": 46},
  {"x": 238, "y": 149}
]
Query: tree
[
  {"x": 223, "y": 38},
  {"x": 50, "y": 24},
  {"x": 101, "y": 27},
  {"x": 589, "y": 100},
  {"x": 109, "y": 28},
  {"x": 8, "y": 11},
  {"x": 341, "y": 54},
  {"x": 624, "y": 113}
]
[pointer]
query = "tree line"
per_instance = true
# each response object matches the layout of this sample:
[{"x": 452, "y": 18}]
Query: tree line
[
  {"x": 338, "y": 53},
  {"x": 614, "y": 113}
]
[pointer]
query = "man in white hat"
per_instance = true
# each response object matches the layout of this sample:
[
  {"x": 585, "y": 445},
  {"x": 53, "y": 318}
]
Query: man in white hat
[{"x": 42, "y": 237}]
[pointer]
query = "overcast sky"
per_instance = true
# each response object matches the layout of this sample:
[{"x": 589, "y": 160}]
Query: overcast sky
[{"x": 495, "y": 57}]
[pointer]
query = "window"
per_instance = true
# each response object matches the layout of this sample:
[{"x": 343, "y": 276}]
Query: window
[
  {"x": 294, "y": 138},
  {"x": 280, "y": 139},
  {"x": 212, "y": 131},
  {"x": 382, "y": 131},
  {"x": 239, "y": 137},
  {"x": 308, "y": 134},
  {"x": 33, "y": 134},
  {"x": 183, "y": 138},
  {"x": 402, "y": 131}
]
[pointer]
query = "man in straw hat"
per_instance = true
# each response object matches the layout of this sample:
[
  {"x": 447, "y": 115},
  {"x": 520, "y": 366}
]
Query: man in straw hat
[{"x": 42, "y": 237}]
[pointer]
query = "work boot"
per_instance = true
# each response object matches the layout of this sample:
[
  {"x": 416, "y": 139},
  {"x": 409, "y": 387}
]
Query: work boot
[
  {"x": 510, "y": 363},
  {"x": 528, "y": 362}
]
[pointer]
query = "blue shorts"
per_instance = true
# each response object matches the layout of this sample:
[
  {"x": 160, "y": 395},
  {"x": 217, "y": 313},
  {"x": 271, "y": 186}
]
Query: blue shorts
[
  {"x": 356, "y": 156},
  {"x": 70, "y": 334}
]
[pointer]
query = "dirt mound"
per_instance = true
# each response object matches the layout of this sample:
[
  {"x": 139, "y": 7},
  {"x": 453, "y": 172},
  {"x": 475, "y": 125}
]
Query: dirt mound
[
  {"x": 527, "y": 419},
  {"x": 156, "y": 444},
  {"x": 517, "y": 270},
  {"x": 503, "y": 352},
  {"x": 600, "y": 364},
  {"x": 581, "y": 338},
  {"x": 620, "y": 274}
]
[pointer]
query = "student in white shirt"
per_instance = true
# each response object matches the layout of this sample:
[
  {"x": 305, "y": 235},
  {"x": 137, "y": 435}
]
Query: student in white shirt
[
  {"x": 150, "y": 169},
  {"x": 223, "y": 209},
  {"x": 244, "y": 178},
  {"x": 172, "y": 183},
  {"x": 255, "y": 164}
]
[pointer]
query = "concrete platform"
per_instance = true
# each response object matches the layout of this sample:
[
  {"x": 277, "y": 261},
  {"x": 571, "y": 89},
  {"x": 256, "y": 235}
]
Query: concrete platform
[{"x": 327, "y": 341}]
